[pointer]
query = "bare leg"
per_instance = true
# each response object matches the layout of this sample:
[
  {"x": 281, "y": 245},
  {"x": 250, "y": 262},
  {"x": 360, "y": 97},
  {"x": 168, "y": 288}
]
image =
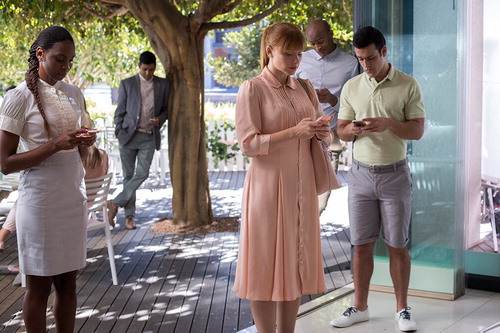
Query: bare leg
[
  {"x": 264, "y": 315},
  {"x": 287, "y": 315},
  {"x": 38, "y": 289},
  {"x": 8, "y": 227},
  {"x": 362, "y": 273},
  {"x": 65, "y": 302},
  {"x": 400, "y": 273}
]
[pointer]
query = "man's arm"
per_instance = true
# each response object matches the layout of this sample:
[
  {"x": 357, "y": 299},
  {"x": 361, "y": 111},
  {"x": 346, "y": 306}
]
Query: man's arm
[
  {"x": 411, "y": 129},
  {"x": 347, "y": 131},
  {"x": 325, "y": 96},
  {"x": 121, "y": 108}
]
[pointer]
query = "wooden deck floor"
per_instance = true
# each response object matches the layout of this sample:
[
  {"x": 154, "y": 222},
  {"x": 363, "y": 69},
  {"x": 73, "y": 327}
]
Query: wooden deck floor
[
  {"x": 486, "y": 245},
  {"x": 167, "y": 283}
]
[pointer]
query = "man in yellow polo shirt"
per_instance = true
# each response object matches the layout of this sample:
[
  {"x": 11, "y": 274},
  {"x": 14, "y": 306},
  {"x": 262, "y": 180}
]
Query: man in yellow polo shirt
[{"x": 379, "y": 110}]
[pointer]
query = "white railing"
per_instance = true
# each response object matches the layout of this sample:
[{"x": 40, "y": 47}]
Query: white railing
[{"x": 236, "y": 163}]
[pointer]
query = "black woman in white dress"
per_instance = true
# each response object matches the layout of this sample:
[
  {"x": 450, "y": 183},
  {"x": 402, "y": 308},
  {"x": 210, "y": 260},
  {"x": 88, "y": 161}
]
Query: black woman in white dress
[{"x": 45, "y": 114}]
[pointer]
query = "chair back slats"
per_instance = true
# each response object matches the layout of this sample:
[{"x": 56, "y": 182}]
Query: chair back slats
[
  {"x": 97, "y": 192},
  {"x": 97, "y": 196}
]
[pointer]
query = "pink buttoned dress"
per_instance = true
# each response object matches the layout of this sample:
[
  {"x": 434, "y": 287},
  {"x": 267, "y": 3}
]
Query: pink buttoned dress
[{"x": 279, "y": 257}]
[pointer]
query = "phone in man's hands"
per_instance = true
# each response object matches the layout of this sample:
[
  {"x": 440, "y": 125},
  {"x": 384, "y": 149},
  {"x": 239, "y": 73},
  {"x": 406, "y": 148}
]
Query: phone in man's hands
[{"x": 359, "y": 123}]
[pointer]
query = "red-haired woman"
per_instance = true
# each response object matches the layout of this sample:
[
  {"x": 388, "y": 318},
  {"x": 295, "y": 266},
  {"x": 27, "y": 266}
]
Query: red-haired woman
[{"x": 279, "y": 257}]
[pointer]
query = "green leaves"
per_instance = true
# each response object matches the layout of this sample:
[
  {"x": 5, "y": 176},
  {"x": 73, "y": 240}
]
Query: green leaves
[
  {"x": 219, "y": 143},
  {"x": 246, "y": 42},
  {"x": 245, "y": 63},
  {"x": 106, "y": 50}
]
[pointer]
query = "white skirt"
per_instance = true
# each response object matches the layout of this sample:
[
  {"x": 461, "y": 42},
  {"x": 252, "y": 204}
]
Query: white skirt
[{"x": 51, "y": 216}]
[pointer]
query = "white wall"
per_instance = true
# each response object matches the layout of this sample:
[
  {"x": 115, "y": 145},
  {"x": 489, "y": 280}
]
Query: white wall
[{"x": 491, "y": 93}]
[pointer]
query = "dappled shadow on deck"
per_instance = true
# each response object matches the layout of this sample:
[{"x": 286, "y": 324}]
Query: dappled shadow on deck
[{"x": 169, "y": 283}]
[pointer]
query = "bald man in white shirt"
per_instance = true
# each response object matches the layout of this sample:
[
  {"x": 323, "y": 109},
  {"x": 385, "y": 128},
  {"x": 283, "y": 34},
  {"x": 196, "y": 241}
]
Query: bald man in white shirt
[{"x": 328, "y": 68}]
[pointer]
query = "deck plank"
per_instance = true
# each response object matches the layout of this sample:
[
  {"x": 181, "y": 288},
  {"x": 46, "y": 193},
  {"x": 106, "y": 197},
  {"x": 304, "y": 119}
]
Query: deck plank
[
  {"x": 202, "y": 311},
  {"x": 183, "y": 299},
  {"x": 221, "y": 287},
  {"x": 195, "y": 283},
  {"x": 157, "y": 321}
]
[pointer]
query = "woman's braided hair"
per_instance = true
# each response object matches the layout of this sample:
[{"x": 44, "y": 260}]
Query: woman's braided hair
[{"x": 46, "y": 40}]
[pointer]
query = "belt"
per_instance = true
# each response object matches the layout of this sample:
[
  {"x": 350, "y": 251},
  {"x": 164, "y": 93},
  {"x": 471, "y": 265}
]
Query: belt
[
  {"x": 380, "y": 168},
  {"x": 140, "y": 130}
]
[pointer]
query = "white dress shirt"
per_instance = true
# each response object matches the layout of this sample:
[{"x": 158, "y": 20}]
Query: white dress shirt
[
  {"x": 147, "y": 103},
  {"x": 331, "y": 71}
]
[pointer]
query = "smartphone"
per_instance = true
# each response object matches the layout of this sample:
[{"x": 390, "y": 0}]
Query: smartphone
[
  {"x": 88, "y": 133},
  {"x": 359, "y": 123},
  {"x": 325, "y": 118}
]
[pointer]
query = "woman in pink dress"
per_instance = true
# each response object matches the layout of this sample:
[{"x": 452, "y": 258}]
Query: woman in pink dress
[{"x": 279, "y": 257}]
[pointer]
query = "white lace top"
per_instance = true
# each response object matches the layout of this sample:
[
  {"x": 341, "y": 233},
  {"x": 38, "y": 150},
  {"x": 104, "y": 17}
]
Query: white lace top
[{"x": 63, "y": 104}]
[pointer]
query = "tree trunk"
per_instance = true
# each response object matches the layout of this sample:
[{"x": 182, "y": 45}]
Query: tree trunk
[
  {"x": 179, "y": 46},
  {"x": 187, "y": 144}
]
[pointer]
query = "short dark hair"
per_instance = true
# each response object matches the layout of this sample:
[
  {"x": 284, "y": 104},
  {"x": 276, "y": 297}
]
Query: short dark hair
[
  {"x": 367, "y": 36},
  {"x": 147, "y": 58}
]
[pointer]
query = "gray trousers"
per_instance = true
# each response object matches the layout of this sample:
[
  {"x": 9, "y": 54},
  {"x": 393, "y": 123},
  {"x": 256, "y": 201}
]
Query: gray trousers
[{"x": 136, "y": 157}]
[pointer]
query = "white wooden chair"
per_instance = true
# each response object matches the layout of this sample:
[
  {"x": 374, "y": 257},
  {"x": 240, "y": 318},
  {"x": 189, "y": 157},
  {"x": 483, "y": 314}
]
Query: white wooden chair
[
  {"x": 491, "y": 186},
  {"x": 97, "y": 197},
  {"x": 112, "y": 148}
]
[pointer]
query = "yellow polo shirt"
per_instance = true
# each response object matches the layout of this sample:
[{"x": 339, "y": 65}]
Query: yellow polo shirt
[{"x": 397, "y": 96}]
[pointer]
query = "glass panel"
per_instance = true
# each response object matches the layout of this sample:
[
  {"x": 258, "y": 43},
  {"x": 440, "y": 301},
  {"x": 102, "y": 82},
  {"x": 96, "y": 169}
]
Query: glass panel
[{"x": 422, "y": 41}]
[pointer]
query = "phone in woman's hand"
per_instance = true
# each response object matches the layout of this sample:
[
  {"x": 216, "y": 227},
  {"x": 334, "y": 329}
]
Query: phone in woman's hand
[
  {"x": 87, "y": 133},
  {"x": 325, "y": 118}
]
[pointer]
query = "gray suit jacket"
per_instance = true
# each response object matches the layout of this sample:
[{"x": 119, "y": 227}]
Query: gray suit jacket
[{"x": 129, "y": 108}]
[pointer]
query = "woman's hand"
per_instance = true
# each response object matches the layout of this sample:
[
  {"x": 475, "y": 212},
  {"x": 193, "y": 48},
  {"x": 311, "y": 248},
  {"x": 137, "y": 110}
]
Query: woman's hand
[
  {"x": 86, "y": 136},
  {"x": 305, "y": 129},
  {"x": 71, "y": 138},
  {"x": 322, "y": 127}
]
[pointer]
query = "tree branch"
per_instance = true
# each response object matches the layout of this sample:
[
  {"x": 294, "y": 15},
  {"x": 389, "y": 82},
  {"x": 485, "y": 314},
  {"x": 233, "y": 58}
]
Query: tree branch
[
  {"x": 113, "y": 2},
  {"x": 114, "y": 7},
  {"x": 235, "y": 24},
  {"x": 229, "y": 7},
  {"x": 208, "y": 9},
  {"x": 114, "y": 11}
]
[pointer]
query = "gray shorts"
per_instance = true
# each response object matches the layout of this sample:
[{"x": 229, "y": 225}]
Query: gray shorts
[{"x": 380, "y": 201}]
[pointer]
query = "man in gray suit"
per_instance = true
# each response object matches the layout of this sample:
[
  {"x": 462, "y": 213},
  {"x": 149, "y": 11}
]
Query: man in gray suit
[{"x": 141, "y": 111}]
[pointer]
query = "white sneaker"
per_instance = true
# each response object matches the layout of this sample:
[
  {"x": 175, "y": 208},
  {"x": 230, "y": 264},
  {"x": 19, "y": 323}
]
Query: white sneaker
[
  {"x": 350, "y": 317},
  {"x": 405, "y": 323}
]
